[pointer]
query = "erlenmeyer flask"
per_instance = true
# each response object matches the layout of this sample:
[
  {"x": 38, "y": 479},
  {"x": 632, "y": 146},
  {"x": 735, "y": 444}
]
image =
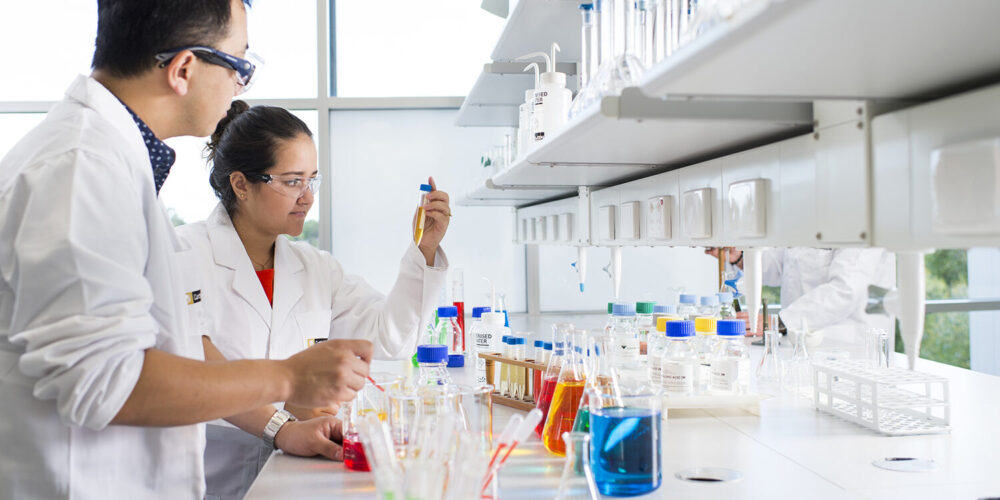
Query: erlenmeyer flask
[
  {"x": 798, "y": 369},
  {"x": 577, "y": 482},
  {"x": 769, "y": 369},
  {"x": 566, "y": 397}
]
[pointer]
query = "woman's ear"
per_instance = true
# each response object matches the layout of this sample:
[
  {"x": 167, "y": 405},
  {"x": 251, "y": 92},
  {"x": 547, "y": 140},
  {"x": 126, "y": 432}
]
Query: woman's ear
[{"x": 240, "y": 185}]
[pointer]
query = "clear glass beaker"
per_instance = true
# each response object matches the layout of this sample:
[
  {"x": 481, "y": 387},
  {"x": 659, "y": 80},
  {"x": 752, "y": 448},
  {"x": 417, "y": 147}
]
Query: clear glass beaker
[
  {"x": 769, "y": 371},
  {"x": 413, "y": 414},
  {"x": 797, "y": 377},
  {"x": 626, "y": 442},
  {"x": 577, "y": 481},
  {"x": 474, "y": 408}
]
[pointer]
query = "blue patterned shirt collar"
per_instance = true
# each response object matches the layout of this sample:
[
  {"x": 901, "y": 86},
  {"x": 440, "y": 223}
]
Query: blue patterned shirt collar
[{"x": 161, "y": 156}]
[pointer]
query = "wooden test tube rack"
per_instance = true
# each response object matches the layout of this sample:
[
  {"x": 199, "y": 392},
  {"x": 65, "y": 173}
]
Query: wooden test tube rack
[{"x": 526, "y": 404}]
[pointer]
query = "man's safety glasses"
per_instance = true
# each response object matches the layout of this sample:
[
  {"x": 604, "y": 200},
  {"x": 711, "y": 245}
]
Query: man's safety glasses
[
  {"x": 244, "y": 68},
  {"x": 291, "y": 185}
]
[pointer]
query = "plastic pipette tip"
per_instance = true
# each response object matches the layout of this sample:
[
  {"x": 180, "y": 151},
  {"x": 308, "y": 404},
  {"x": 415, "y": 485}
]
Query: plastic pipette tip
[
  {"x": 581, "y": 287},
  {"x": 379, "y": 387}
]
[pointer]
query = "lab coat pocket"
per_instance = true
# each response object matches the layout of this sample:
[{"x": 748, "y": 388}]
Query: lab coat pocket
[{"x": 314, "y": 326}]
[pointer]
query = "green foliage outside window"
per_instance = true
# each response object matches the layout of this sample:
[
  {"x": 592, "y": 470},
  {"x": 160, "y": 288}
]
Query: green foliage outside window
[{"x": 946, "y": 335}]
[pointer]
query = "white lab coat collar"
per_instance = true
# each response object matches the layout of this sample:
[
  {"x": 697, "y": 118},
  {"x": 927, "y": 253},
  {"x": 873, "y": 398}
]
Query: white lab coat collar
[
  {"x": 229, "y": 251},
  {"x": 92, "y": 94}
]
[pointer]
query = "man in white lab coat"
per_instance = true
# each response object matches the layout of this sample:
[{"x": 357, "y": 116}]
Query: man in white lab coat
[
  {"x": 101, "y": 383},
  {"x": 826, "y": 288}
]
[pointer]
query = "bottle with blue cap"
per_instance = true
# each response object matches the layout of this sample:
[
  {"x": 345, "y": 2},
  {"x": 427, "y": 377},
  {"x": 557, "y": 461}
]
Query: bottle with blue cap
[
  {"x": 625, "y": 342},
  {"x": 657, "y": 345},
  {"x": 418, "y": 227},
  {"x": 731, "y": 359},
  {"x": 450, "y": 334},
  {"x": 726, "y": 309},
  {"x": 678, "y": 365},
  {"x": 687, "y": 307},
  {"x": 709, "y": 306},
  {"x": 432, "y": 360}
]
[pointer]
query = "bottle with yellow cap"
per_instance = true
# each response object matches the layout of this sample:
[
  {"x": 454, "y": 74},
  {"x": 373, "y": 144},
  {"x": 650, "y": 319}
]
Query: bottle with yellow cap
[
  {"x": 704, "y": 345},
  {"x": 657, "y": 343}
]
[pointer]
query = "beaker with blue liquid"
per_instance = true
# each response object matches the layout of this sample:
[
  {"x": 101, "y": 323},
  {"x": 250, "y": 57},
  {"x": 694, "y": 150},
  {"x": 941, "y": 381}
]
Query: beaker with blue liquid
[{"x": 626, "y": 442}]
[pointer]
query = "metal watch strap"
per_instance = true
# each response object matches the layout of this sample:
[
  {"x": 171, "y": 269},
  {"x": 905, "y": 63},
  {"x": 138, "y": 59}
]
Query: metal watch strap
[{"x": 280, "y": 418}]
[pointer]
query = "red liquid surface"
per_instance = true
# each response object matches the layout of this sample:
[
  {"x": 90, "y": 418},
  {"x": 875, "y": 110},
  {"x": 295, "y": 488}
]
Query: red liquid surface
[
  {"x": 461, "y": 320},
  {"x": 544, "y": 400},
  {"x": 354, "y": 453}
]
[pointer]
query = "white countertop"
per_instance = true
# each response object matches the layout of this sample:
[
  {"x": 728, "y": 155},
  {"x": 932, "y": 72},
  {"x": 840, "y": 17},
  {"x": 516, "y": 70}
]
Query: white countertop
[{"x": 790, "y": 450}]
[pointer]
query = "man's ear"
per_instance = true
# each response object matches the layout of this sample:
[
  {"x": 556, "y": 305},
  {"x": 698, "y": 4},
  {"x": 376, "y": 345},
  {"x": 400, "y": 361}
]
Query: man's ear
[{"x": 180, "y": 71}]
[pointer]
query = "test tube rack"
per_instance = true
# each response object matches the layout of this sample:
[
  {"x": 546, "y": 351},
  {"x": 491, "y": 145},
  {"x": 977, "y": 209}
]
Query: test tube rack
[
  {"x": 526, "y": 404},
  {"x": 893, "y": 401}
]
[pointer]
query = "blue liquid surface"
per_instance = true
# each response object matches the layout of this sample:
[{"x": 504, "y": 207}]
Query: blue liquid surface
[{"x": 625, "y": 451}]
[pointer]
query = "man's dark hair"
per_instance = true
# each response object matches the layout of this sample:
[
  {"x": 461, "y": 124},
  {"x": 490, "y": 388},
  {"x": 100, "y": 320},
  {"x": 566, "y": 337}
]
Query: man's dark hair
[{"x": 131, "y": 32}]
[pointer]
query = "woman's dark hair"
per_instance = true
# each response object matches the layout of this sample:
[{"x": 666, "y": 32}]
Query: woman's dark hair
[
  {"x": 131, "y": 32},
  {"x": 246, "y": 140}
]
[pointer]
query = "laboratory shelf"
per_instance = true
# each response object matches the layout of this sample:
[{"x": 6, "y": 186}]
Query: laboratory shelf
[
  {"x": 534, "y": 24},
  {"x": 487, "y": 194},
  {"x": 633, "y": 135},
  {"x": 819, "y": 49}
]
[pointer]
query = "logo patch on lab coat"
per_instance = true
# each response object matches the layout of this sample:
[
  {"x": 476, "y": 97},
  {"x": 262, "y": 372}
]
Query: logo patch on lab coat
[{"x": 193, "y": 297}]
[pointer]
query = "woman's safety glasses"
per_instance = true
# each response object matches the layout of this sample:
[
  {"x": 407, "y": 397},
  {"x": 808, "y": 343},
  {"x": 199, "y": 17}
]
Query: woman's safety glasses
[
  {"x": 291, "y": 185},
  {"x": 243, "y": 67}
]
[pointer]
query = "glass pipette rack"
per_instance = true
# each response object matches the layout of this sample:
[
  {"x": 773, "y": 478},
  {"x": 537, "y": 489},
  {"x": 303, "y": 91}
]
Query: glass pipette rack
[{"x": 893, "y": 401}]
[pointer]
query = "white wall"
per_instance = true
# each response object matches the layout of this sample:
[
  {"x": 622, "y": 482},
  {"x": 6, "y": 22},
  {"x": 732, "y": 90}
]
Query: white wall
[
  {"x": 984, "y": 326},
  {"x": 647, "y": 273},
  {"x": 379, "y": 159}
]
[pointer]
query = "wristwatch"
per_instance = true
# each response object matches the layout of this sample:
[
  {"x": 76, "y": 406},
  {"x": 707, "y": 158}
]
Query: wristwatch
[{"x": 279, "y": 419}]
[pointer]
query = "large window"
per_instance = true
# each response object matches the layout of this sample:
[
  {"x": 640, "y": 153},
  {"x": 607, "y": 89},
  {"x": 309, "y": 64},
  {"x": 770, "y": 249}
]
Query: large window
[{"x": 406, "y": 48}]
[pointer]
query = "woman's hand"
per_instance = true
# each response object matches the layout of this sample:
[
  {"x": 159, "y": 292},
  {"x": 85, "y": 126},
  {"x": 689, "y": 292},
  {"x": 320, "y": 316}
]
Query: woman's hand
[{"x": 437, "y": 215}]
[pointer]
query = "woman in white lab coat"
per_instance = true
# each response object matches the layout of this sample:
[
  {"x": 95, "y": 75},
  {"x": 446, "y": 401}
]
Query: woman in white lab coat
[{"x": 269, "y": 297}]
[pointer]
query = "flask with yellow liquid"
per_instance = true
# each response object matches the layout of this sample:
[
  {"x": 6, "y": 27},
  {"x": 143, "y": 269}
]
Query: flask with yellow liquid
[{"x": 418, "y": 226}]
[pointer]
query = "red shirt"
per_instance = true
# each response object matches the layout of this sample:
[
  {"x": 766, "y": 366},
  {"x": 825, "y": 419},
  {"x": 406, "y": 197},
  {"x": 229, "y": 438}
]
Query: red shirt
[{"x": 266, "y": 278}]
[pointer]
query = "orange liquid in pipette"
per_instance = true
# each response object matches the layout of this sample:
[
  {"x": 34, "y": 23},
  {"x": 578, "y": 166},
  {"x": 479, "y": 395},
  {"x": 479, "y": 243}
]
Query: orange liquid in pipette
[{"x": 562, "y": 413}]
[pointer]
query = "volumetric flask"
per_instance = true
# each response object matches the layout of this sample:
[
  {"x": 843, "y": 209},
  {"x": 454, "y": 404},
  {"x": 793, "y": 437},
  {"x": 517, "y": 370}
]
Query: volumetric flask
[
  {"x": 626, "y": 436},
  {"x": 577, "y": 481},
  {"x": 769, "y": 371}
]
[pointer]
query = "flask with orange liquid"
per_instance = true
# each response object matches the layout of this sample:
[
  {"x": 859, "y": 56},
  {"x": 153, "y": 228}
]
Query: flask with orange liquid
[{"x": 567, "y": 394}]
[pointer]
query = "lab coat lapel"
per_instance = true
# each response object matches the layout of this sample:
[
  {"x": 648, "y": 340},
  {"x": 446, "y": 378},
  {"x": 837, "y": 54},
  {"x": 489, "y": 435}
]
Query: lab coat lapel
[
  {"x": 288, "y": 286},
  {"x": 229, "y": 252}
]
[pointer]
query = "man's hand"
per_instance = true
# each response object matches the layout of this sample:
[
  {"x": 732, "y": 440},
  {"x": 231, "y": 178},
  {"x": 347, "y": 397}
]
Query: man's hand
[
  {"x": 308, "y": 438},
  {"x": 733, "y": 255},
  {"x": 328, "y": 372},
  {"x": 438, "y": 215},
  {"x": 304, "y": 413}
]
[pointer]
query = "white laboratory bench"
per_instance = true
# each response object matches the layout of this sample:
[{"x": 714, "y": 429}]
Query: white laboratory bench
[{"x": 789, "y": 450}]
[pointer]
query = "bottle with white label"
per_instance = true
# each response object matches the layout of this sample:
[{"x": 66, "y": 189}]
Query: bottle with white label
[
  {"x": 731, "y": 360},
  {"x": 679, "y": 363},
  {"x": 482, "y": 341},
  {"x": 644, "y": 324},
  {"x": 552, "y": 99},
  {"x": 625, "y": 342},
  {"x": 704, "y": 345},
  {"x": 657, "y": 345}
]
